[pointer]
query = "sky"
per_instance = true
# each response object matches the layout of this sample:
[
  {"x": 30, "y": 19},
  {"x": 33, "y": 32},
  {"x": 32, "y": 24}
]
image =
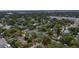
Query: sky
[{"x": 39, "y": 5}]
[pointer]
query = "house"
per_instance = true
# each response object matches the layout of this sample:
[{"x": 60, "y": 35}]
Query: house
[
  {"x": 61, "y": 17},
  {"x": 1, "y": 25},
  {"x": 76, "y": 22},
  {"x": 66, "y": 31},
  {"x": 7, "y": 27},
  {"x": 77, "y": 36}
]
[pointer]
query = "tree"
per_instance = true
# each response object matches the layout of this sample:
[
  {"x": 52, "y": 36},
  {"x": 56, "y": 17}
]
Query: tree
[
  {"x": 66, "y": 39},
  {"x": 14, "y": 42},
  {"x": 74, "y": 31},
  {"x": 46, "y": 40},
  {"x": 56, "y": 44},
  {"x": 75, "y": 43},
  {"x": 58, "y": 26}
]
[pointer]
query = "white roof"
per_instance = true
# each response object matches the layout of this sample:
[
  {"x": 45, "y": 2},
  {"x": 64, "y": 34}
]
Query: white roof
[{"x": 66, "y": 31}]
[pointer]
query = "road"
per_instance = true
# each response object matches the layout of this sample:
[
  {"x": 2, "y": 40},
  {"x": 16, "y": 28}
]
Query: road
[{"x": 3, "y": 43}]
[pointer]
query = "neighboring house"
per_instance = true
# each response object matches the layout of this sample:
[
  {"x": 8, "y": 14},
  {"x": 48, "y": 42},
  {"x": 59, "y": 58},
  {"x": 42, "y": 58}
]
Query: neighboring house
[
  {"x": 77, "y": 36},
  {"x": 77, "y": 22},
  {"x": 66, "y": 31},
  {"x": 7, "y": 27},
  {"x": 1, "y": 25},
  {"x": 9, "y": 13},
  {"x": 60, "y": 18}
]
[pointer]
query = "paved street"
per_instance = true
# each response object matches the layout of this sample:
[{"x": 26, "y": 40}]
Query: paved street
[{"x": 3, "y": 43}]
